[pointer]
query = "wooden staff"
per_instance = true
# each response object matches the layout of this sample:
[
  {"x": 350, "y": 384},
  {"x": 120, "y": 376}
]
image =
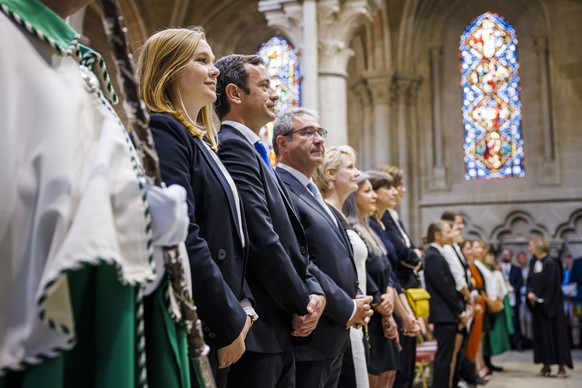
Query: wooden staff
[{"x": 138, "y": 120}]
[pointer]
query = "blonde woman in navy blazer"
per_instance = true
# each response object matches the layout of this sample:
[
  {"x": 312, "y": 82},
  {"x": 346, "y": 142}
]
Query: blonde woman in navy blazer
[{"x": 178, "y": 84}]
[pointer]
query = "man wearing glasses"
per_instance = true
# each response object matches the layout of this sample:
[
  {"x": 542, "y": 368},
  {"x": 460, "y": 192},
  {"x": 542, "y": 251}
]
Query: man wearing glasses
[{"x": 298, "y": 142}]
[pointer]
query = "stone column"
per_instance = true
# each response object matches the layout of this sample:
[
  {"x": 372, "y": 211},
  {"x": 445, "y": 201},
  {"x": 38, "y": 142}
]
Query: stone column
[
  {"x": 403, "y": 90},
  {"x": 365, "y": 130},
  {"x": 380, "y": 85},
  {"x": 338, "y": 22},
  {"x": 310, "y": 62},
  {"x": 439, "y": 172},
  {"x": 549, "y": 166}
]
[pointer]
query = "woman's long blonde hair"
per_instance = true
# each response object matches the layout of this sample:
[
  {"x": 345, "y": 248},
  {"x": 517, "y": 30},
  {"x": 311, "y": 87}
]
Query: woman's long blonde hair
[{"x": 161, "y": 60}]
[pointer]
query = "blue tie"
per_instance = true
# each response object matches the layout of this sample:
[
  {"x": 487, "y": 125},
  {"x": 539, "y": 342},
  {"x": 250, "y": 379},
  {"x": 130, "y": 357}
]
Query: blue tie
[{"x": 263, "y": 152}]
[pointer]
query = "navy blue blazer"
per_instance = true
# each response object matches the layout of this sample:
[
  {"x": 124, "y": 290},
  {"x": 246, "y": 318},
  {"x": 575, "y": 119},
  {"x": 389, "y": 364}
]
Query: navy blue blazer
[
  {"x": 405, "y": 254},
  {"x": 277, "y": 269},
  {"x": 331, "y": 261},
  {"x": 446, "y": 304},
  {"x": 216, "y": 254}
]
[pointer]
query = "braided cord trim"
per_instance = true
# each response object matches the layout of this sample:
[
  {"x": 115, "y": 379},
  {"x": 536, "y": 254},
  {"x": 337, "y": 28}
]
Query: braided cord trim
[{"x": 74, "y": 50}]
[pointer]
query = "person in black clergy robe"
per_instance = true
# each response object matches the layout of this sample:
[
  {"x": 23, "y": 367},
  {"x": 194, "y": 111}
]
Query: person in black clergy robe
[
  {"x": 289, "y": 299},
  {"x": 447, "y": 308},
  {"x": 551, "y": 343},
  {"x": 298, "y": 142}
]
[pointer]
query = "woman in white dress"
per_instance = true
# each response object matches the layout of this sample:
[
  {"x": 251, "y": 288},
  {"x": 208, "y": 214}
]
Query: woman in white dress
[{"x": 336, "y": 179}]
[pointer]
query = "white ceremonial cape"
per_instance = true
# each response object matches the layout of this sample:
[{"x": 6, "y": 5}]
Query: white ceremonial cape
[{"x": 69, "y": 196}]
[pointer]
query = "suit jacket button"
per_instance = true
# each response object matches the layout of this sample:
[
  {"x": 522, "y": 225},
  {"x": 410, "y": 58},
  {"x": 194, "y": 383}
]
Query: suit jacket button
[
  {"x": 221, "y": 254},
  {"x": 212, "y": 336},
  {"x": 303, "y": 250},
  {"x": 206, "y": 329}
]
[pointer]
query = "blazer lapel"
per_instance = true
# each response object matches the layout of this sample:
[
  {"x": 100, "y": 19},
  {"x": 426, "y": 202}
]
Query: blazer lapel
[
  {"x": 303, "y": 193},
  {"x": 223, "y": 182}
]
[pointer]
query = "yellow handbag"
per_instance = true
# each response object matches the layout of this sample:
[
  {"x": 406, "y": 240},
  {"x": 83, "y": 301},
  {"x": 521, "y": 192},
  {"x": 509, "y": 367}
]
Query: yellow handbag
[{"x": 418, "y": 300}]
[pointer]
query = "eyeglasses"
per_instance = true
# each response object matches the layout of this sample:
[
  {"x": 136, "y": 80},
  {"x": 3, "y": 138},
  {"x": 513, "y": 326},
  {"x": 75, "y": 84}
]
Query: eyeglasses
[{"x": 309, "y": 132}]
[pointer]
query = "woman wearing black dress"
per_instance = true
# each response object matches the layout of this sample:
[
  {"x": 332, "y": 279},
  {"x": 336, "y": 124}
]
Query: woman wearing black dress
[
  {"x": 382, "y": 329},
  {"x": 551, "y": 344}
]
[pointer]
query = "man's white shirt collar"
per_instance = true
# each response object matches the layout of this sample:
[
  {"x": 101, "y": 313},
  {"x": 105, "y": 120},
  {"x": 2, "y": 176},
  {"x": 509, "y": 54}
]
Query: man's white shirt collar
[
  {"x": 246, "y": 131},
  {"x": 304, "y": 180}
]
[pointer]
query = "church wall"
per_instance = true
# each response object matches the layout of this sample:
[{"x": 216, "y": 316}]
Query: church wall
[{"x": 488, "y": 203}]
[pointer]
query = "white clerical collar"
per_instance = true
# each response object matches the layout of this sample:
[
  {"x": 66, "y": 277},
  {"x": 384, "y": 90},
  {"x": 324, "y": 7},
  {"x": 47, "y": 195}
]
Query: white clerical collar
[
  {"x": 302, "y": 178},
  {"x": 246, "y": 131}
]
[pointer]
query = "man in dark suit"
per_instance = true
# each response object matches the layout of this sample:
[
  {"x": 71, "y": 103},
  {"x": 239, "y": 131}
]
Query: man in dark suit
[
  {"x": 513, "y": 274},
  {"x": 298, "y": 142},
  {"x": 447, "y": 308},
  {"x": 277, "y": 274}
]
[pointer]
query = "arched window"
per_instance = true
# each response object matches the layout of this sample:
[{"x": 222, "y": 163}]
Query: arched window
[
  {"x": 281, "y": 59},
  {"x": 491, "y": 103}
]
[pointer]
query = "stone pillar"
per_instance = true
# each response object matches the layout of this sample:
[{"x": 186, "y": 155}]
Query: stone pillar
[
  {"x": 439, "y": 172},
  {"x": 404, "y": 90},
  {"x": 338, "y": 22},
  {"x": 310, "y": 62},
  {"x": 549, "y": 166},
  {"x": 380, "y": 85},
  {"x": 365, "y": 130}
]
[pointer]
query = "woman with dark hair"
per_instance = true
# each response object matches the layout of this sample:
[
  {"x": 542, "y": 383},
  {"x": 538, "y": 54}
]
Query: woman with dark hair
[
  {"x": 551, "y": 343},
  {"x": 409, "y": 326},
  {"x": 382, "y": 329},
  {"x": 408, "y": 263}
]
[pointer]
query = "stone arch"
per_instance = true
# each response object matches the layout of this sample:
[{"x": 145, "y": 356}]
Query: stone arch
[
  {"x": 518, "y": 225},
  {"x": 571, "y": 228},
  {"x": 472, "y": 229}
]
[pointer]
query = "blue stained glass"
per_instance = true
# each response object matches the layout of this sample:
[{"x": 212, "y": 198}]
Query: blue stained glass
[
  {"x": 282, "y": 63},
  {"x": 491, "y": 103}
]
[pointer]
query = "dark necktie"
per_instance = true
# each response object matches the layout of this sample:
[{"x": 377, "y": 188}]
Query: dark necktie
[
  {"x": 264, "y": 155},
  {"x": 317, "y": 195}
]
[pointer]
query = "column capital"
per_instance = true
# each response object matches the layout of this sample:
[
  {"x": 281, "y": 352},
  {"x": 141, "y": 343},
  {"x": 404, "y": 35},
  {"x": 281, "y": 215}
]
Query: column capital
[
  {"x": 380, "y": 85},
  {"x": 362, "y": 92},
  {"x": 338, "y": 22},
  {"x": 405, "y": 88},
  {"x": 285, "y": 16}
]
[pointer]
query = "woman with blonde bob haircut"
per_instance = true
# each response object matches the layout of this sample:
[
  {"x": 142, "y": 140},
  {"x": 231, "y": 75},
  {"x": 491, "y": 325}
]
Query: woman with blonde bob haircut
[
  {"x": 178, "y": 83},
  {"x": 336, "y": 178}
]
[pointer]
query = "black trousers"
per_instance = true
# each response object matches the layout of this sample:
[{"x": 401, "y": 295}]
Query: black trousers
[
  {"x": 445, "y": 335},
  {"x": 405, "y": 376},
  {"x": 263, "y": 370},
  {"x": 318, "y": 374}
]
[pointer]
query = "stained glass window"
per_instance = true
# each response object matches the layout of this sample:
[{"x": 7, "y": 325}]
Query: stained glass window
[
  {"x": 281, "y": 60},
  {"x": 491, "y": 103}
]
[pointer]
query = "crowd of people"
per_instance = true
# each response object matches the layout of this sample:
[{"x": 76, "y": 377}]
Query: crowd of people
[{"x": 303, "y": 273}]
